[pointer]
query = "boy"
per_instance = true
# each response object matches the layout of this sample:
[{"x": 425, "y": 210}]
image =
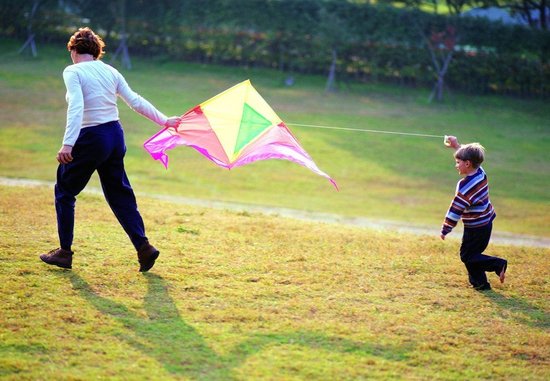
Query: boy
[{"x": 472, "y": 204}]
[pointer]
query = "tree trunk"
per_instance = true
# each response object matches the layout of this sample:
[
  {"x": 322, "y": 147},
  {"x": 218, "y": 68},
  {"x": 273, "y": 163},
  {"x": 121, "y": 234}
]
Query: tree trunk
[
  {"x": 332, "y": 73},
  {"x": 123, "y": 47},
  {"x": 440, "y": 70},
  {"x": 123, "y": 50},
  {"x": 543, "y": 18},
  {"x": 30, "y": 39}
]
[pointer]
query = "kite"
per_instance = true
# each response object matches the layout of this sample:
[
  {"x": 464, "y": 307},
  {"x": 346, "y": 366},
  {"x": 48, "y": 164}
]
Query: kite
[{"x": 234, "y": 128}]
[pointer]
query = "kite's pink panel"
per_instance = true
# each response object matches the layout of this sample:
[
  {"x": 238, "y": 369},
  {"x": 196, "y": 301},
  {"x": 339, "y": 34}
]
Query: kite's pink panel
[
  {"x": 194, "y": 131},
  {"x": 279, "y": 143}
]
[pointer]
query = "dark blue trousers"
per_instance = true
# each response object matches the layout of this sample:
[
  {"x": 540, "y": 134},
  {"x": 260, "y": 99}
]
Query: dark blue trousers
[
  {"x": 474, "y": 243},
  {"x": 102, "y": 149}
]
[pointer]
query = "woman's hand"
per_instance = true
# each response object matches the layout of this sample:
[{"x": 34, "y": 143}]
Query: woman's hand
[
  {"x": 173, "y": 122},
  {"x": 65, "y": 154}
]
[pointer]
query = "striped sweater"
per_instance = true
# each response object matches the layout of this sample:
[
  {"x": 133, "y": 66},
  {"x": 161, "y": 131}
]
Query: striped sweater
[{"x": 471, "y": 203}]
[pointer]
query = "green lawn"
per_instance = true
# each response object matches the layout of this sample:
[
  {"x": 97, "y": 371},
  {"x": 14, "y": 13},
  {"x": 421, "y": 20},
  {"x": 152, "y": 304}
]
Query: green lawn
[
  {"x": 393, "y": 177},
  {"x": 237, "y": 295},
  {"x": 241, "y": 296}
]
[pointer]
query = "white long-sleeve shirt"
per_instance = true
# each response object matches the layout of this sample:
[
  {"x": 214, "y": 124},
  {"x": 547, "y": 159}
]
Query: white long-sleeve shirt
[{"x": 92, "y": 90}]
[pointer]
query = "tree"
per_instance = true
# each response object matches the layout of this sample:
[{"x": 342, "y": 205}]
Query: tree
[
  {"x": 332, "y": 30},
  {"x": 30, "y": 43},
  {"x": 528, "y": 10},
  {"x": 123, "y": 46},
  {"x": 456, "y": 6},
  {"x": 33, "y": 17},
  {"x": 441, "y": 46}
]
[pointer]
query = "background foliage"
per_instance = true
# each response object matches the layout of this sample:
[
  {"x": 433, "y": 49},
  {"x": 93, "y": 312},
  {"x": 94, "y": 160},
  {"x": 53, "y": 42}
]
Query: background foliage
[{"x": 374, "y": 42}]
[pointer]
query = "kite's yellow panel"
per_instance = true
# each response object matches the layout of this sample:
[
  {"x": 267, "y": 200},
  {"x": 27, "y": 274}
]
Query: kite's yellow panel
[
  {"x": 224, "y": 112},
  {"x": 255, "y": 100}
]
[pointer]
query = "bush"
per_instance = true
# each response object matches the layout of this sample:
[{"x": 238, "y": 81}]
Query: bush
[{"x": 373, "y": 43}]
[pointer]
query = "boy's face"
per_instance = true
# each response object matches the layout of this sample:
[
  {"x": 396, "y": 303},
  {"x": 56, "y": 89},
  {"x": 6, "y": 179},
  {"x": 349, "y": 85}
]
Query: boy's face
[{"x": 464, "y": 167}]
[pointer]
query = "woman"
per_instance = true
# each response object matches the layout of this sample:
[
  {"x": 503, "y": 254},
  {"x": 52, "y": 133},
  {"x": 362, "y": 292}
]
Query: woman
[{"x": 94, "y": 141}]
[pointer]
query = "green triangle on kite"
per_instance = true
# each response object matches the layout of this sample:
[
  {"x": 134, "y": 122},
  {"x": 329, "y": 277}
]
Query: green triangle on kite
[{"x": 252, "y": 124}]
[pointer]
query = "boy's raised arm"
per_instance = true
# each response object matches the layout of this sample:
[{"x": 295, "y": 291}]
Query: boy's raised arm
[{"x": 452, "y": 142}]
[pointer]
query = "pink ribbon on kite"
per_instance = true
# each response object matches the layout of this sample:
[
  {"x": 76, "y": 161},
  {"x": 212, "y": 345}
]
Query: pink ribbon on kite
[{"x": 234, "y": 128}]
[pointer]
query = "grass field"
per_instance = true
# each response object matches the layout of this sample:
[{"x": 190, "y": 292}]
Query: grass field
[
  {"x": 392, "y": 177},
  {"x": 240, "y": 296},
  {"x": 237, "y": 295}
]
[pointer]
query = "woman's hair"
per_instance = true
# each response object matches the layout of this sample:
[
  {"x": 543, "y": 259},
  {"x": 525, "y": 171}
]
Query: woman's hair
[
  {"x": 474, "y": 152},
  {"x": 85, "y": 41}
]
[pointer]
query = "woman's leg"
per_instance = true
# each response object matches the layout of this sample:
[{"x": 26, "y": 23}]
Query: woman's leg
[
  {"x": 118, "y": 191},
  {"x": 71, "y": 180}
]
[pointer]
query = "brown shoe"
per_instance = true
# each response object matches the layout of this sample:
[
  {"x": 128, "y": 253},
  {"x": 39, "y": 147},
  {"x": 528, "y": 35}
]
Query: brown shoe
[
  {"x": 59, "y": 257},
  {"x": 147, "y": 255}
]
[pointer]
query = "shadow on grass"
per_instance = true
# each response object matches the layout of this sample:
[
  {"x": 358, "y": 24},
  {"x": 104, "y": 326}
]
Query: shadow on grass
[
  {"x": 180, "y": 348},
  {"x": 523, "y": 311}
]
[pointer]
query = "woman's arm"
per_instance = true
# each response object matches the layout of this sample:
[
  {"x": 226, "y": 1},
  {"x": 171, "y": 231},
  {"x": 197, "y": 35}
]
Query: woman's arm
[{"x": 75, "y": 107}]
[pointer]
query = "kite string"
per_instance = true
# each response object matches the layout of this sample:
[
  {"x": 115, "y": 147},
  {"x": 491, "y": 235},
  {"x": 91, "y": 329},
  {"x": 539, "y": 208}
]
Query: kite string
[{"x": 365, "y": 130}]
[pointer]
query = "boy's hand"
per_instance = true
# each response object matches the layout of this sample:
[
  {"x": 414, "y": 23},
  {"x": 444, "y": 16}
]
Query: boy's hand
[
  {"x": 442, "y": 237},
  {"x": 452, "y": 141}
]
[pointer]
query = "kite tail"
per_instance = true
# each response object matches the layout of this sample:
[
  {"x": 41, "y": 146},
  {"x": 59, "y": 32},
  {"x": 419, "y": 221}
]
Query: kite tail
[{"x": 156, "y": 146}]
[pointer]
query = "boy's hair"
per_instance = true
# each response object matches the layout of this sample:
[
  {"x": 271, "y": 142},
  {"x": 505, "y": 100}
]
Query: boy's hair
[
  {"x": 85, "y": 41},
  {"x": 474, "y": 152}
]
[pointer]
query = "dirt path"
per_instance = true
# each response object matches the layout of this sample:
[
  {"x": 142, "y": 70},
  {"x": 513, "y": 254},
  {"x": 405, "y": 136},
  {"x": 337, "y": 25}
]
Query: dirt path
[{"x": 503, "y": 238}]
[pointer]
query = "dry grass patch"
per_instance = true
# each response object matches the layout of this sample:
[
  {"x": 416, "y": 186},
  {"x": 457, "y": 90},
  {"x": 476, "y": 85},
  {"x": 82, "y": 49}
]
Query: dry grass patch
[{"x": 238, "y": 295}]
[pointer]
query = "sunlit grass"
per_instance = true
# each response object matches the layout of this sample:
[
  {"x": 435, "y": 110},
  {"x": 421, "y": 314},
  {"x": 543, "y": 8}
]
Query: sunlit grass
[
  {"x": 392, "y": 177},
  {"x": 244, "y": 296}
]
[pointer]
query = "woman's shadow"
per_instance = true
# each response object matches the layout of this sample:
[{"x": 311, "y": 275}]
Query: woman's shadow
[{"x": 166, "y": 337}]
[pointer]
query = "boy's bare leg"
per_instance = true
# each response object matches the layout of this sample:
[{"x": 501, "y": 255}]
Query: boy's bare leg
[{"x": 502, "y": 274}]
